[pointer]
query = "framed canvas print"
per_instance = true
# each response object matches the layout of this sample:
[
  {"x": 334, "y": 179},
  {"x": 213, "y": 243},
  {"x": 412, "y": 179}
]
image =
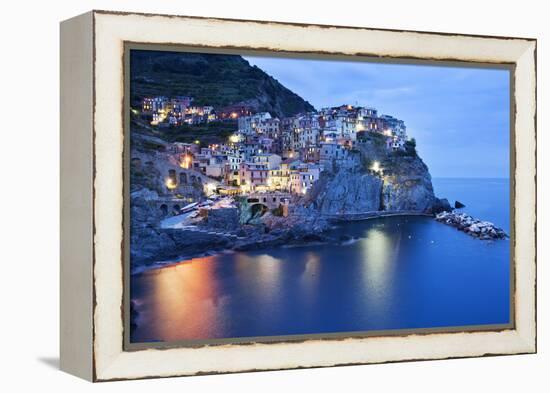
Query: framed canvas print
[{"x": 245, "y": 195}]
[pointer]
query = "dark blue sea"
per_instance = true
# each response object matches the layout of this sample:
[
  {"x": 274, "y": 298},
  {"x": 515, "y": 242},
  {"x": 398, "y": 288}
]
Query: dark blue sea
[{"x": 397, "y": 273}]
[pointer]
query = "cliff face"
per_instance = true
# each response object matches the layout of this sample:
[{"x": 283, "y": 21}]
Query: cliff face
[
  {"x": 408, "y": 187},
  {"x": 347, "y": 192},
  {"x": 211, "y": 79},
  {"x": 403, "y": 185}
]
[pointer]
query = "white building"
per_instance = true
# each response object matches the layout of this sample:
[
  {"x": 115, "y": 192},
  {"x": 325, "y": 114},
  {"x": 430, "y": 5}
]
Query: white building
[
  {"x": 303, "y": 177},
  {"x": 366, "y": 112},
  {"x": 215, "y": 167},
  {"x": 396, "y": 126},
  {"x": 271, "y": 161},
  {"x": 269, "y": 127},
  {"x": 154, "y": 104},
  {"x": 234, "y": 159},
  {"x": 249, "y": 150},
  {"x": 331, "y": 151},
  {"x": 346, "y": 128},
  {"x": 395, "y": 143},
  {"x": 249, "y": 124},
  {"x": 308, "y": 137}
]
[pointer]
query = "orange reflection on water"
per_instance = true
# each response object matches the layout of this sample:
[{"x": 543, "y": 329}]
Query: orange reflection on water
[{"x": 184, "y": 301}]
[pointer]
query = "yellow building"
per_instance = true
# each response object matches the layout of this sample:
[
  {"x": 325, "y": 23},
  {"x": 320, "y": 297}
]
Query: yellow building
[{"x": 279, "y": 178}]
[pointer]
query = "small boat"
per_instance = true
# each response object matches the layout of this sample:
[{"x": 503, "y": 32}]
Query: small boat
[{"x": 188, "y": 208}]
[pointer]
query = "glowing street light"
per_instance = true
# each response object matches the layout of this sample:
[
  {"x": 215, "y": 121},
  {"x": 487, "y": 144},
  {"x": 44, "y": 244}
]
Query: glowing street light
[
  {"x": 186, "y": 163},
  {"x": 170, "y": 184}
]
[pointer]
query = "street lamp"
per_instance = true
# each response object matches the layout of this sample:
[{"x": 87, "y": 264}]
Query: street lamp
[
  {"x": 170, "y": 184},
  {"x": 186, "y": 163}
]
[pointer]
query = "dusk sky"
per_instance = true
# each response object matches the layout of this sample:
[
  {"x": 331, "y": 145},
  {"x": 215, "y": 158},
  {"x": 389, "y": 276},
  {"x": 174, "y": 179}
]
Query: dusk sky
[{"x": 460, "y": 117}]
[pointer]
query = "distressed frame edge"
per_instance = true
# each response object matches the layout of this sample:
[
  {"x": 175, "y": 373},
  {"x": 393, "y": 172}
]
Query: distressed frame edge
[
  {"x": 303, "y": 24},
  {"x": 525, "y": 179},
  {"x": 527, "y": 341},
  {"x": 76, "y": 207}
]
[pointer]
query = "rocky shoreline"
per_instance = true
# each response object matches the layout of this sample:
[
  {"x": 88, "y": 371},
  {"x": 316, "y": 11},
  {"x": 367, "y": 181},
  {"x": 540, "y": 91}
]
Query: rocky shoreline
[
  {"x": 222, "y": 232},
  {"x": 190, "y": 244},
  {"x": 479, "y": 229},
  {"x": 184, "y": 244}
]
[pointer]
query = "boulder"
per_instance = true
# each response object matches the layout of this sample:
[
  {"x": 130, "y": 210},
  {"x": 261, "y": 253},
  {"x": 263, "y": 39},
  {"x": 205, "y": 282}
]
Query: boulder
[{"x": 459, "y": 205}]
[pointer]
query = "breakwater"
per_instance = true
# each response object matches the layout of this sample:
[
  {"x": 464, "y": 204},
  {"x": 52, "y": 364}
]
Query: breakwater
[{"x": 483, "y": 230}]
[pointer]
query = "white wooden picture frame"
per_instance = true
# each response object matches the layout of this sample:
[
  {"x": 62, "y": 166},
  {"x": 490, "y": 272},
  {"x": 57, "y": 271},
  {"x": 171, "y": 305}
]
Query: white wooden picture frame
[{"x": 92, "y": 196}]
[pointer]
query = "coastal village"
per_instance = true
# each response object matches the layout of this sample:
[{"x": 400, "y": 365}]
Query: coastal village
[
  {"x": 270, "y": 180},
  {"x": 267, "y": 159}
]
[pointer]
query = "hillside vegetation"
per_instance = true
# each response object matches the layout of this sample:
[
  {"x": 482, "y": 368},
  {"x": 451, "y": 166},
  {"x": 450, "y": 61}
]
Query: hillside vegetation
[
  {"x": 211, "y": 79},
  {"x": 205, "y": 134}
]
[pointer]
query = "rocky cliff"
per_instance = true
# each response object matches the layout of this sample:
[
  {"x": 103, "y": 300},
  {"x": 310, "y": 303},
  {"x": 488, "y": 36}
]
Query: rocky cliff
[
  {"x": 401, "y": 184},
  {"x": 347, "y": 192},
  {"x": 407, "y": 186}
]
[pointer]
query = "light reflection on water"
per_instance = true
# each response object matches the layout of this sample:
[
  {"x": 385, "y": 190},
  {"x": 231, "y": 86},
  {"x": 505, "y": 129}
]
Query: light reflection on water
[
  {"x": 400, "y": 273},
  {"x": 379, "y": 254},
  {"x": 184, "y": 295},
  {"x": 309, "y": 279}
]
